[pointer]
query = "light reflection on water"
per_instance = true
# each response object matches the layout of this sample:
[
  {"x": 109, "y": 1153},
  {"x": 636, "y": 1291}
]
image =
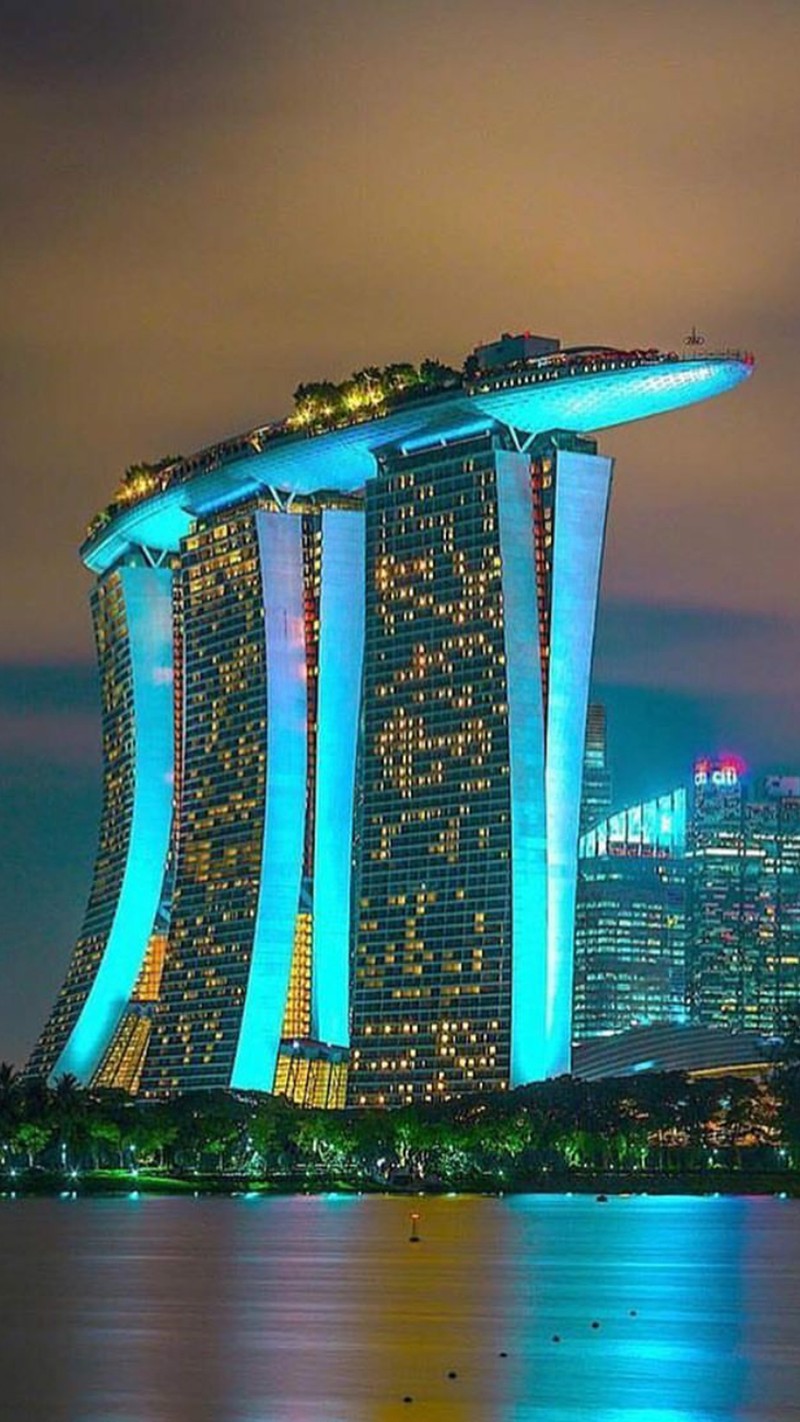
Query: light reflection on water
[{"x": 299, "y": 1309}]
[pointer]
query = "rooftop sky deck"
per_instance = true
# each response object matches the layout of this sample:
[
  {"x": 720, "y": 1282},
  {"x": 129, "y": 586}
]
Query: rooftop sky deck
[{"x": 583, "y": 394}]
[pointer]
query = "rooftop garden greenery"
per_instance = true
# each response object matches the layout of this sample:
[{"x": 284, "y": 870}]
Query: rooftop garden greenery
[{"x": 323, "y": 404}]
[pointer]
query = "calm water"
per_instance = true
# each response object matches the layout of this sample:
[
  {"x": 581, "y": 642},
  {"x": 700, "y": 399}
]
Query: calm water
[{"x": 319, "y": 1308}]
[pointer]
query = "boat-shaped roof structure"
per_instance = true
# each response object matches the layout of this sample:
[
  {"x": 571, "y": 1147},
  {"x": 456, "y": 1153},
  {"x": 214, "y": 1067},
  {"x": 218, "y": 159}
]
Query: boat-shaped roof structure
[{"x": 582, "y": 392}]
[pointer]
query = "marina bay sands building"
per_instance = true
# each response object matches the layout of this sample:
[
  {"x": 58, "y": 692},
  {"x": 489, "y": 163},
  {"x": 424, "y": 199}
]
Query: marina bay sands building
[{"x": 344, "y": 665}]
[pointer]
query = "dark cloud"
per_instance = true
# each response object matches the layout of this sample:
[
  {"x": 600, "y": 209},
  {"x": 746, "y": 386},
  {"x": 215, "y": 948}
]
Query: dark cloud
[
  {"x": 48, "y": 833},
  {"x": 50, "y": 774},
  {"x": 698, "y": 651},
  {"x": 57, "y": 42},
  {"x": 26, "y": 690}
]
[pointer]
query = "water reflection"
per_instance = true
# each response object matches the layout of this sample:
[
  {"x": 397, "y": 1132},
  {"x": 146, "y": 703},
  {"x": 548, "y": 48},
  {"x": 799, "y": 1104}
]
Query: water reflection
[
  {"x": 660, "y": 1279},
  {"x": 321, "y": 1310}
]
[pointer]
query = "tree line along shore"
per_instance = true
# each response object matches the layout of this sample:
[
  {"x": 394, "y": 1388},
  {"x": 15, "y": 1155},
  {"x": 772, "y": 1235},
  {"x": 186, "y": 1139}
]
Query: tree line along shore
[{"x": 652, "y": 1131}]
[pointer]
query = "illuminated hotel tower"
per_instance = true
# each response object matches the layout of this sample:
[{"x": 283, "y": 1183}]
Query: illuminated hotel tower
[
  {"x": 344, "y": 669},
  {"x": 257, "y": 626},
  {"x": 483, "y": 568}
]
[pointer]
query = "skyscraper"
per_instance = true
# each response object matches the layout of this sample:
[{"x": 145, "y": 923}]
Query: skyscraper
[
  {"x": 596, "y": 793},
  {"x": 418, "y": 558},
  {"x": 631, "y": 919},
  {"x": 471, "y": 784},
  {"x": 744, "y": 843},
  {"x": 230, "y": 743}
]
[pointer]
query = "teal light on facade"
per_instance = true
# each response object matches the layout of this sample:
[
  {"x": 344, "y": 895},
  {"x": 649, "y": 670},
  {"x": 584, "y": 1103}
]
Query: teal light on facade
[
  {"x": 147, "y": 594},
  {"x": 344, "y": 460},
  {"x": 526, "y": 768},
  {"x": 654, "y": 827},
  {"x": 341, "y": 653},
  {"x": 369, "y": 658},
  {"x": 583, "y": 484},
  {"x": 281, "y": 555}
]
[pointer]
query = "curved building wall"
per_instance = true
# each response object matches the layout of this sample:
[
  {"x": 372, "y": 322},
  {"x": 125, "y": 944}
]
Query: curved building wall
[
  {"x": 221, "y": 825},
  {"x": 268, "y": 710},
  {"x": 132, "y": 612},
  {"x": 583, "y": 485},
  {"x": 525, "y": 609},
  {"x": 341, "y": 654},
  {"x": 280, "y": 544}
]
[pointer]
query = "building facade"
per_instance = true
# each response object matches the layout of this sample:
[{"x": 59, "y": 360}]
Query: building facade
[
  {"x": 667, "y": 1046},
  {"x": 744, "y": 845},
  {"x": 596, "y": 793},
  {"x": 480, "y": 616},
  {"x": 233, "y": 716},
  {"x": 344, "y": 667},
  {"x": 631, "y": 922}
]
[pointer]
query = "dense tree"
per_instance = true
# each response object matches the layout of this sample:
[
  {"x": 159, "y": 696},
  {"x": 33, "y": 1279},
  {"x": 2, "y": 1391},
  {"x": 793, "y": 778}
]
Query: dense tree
[
  {"x": 787, "y": 1096},
  {"x": 659, "y": 1122},
  {"x": 320, "y": 405},
  {"x": 69, "y": 1108},
  {"x": 401, "y": 376},
  {"x": 9, "y": 1107},
  {"x": 435, "y": 373},
  {"x": 317, "y": 404},
  {"x": 30, "y": 1138}
]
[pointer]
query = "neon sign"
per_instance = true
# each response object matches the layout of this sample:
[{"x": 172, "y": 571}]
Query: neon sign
[{"x": 723, "y": 774}]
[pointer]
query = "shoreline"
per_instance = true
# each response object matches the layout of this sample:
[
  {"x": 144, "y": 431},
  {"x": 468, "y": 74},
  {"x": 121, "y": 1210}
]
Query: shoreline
[{"x": 125, "y": 1185}]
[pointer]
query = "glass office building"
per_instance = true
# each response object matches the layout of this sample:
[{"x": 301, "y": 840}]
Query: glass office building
[
  {"x": 744, "y": 844},
  {"x": 631, "y": 920}
]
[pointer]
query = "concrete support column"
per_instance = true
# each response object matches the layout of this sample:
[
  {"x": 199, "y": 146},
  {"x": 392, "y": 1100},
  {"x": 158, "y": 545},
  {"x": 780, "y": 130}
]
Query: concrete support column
[
  {"x": 280, "y": 543},
  {"x": 583, "y": 484}
]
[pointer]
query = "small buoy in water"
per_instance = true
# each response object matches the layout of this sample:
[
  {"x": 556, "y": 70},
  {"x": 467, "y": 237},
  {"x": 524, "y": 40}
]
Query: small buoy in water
[
  {"x": 413, "y": 1238},
  {"x": 602, "y": 1199},
  {"x": 633, "y": 1313},
  {"x": 556, "y": 1338},
  {"x": 502, "y": 1355},
  {"x": 595, "y": 1324},
  {"x": 452, "y": 1374}
]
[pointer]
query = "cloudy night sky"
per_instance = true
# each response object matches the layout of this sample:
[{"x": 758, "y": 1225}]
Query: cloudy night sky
[{"x": 206, "y": 203}]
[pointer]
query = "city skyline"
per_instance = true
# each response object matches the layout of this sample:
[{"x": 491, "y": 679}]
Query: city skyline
[
  {"x": 366, "y": 233},
  {"x": 372, "y": 621}
]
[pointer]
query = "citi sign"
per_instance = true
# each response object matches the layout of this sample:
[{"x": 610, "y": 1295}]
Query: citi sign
[{"x": 722, "y": 774}]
